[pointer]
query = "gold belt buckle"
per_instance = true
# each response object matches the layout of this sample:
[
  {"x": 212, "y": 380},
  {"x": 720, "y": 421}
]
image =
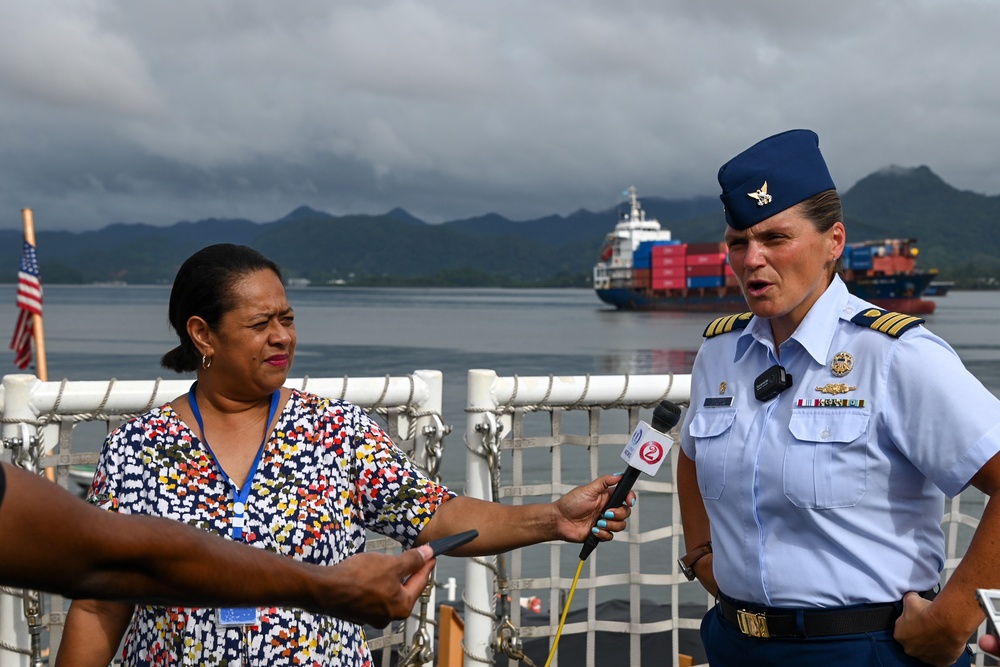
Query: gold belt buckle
[{"x": 752, "y": 624}]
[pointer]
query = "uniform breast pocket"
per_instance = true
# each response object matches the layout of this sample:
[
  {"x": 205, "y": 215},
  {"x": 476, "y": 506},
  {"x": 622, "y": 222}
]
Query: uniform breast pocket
[
  {"x": 826, "y": 459},
  {"x": 712, "y": 429}
]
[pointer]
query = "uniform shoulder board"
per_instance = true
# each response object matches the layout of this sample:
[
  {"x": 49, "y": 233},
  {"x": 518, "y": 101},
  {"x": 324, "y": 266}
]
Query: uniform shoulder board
[
  {"x": 728, "y": 323},
  {"x": 888, "y": 322}
]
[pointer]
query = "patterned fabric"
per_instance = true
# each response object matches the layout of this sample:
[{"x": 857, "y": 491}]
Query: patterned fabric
[{"x": 327, "y": 473}]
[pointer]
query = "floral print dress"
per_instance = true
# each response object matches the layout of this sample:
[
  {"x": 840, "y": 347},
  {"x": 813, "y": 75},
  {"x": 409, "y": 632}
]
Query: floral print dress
[{"x": 327, "y": 473}]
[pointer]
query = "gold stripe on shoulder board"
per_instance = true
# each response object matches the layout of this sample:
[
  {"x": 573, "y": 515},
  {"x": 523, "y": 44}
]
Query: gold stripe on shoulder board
[
  {"x": 887, "y": 322},
  {"x": 727, "y": 323},
  {"x": 894, "y": 323}
]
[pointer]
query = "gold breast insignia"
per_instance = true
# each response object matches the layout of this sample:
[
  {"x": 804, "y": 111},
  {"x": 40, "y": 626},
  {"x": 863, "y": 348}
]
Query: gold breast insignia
[
  {"x": 722, "y": 387},
  {"x": 842, "y": 364},
  {"x": 835, "y": 388}
]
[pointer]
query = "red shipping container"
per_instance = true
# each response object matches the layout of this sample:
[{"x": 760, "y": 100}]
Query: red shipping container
[
  {"x": 668, "y": 260},
  {"x": 728, "y": 270},
  {"x": 670, "y": 250},
  {"x": 669, "y": 283},
  {"x": 717, "y": 258},
  {"x": 669, "y": 272},
  {"x": 707, "y": 248},
  {"x": 704, "y": 270}
]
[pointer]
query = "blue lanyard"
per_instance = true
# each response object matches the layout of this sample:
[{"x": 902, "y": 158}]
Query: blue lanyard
[{"x": 239, "y": 495}]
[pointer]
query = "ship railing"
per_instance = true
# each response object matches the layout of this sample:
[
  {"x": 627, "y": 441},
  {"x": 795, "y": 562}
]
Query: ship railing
[
  {"x": 532, "y": 439},
  {"x": 535, "y": 438},
  {"x": 59, "y": 427}
]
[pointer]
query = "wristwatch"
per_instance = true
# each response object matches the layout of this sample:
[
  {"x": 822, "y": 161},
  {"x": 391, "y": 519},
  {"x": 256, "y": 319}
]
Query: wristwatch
[{"x": 687, "y": 562}]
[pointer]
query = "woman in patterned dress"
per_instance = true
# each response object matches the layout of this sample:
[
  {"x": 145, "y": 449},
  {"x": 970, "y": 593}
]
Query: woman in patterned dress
[{"x": 323, "y": 474}]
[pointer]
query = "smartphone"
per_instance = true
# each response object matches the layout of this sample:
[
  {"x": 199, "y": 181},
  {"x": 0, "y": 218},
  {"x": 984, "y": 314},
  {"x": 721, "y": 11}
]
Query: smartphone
[
  {"x": 445, "y": 544},
  {"x": 989, "y": 600}
]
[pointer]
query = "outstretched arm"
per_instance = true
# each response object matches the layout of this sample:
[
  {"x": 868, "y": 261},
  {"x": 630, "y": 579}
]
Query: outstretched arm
[
  {"x": 53, "y": 541},
  {"x": 505, "y": 527}
]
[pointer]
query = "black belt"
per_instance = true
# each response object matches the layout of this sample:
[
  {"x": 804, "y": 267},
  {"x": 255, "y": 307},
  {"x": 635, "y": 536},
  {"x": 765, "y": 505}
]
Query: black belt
[{"x": 764, "y": 622}]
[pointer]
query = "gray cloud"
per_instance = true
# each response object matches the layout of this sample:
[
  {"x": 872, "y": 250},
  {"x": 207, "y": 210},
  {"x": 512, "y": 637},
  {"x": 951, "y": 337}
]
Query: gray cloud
[{"x": 167, "y": 110}]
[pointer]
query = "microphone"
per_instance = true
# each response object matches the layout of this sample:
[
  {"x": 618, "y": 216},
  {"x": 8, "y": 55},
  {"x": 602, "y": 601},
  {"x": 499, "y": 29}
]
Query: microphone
[{"x": 645, "y": 452}]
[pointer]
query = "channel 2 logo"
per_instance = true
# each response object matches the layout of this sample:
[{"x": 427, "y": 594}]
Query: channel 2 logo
[{"x": 651, "y": 452}]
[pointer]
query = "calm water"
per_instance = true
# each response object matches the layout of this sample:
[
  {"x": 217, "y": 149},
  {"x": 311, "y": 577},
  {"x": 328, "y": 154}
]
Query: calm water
[{"x": 96, "y": 333}]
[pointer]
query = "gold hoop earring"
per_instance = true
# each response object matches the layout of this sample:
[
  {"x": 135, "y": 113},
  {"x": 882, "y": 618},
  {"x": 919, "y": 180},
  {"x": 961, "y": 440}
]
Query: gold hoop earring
[{"x": 206, "y": 362}]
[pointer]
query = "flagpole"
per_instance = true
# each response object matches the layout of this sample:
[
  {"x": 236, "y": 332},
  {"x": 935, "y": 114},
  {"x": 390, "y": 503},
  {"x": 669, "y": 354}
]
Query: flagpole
[{"x": 41, "y": 367}]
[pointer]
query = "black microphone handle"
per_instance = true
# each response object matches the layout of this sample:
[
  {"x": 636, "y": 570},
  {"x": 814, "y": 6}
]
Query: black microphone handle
[
  {"x": 625, "y": 485},
  {"x": 665, "y": 417}
]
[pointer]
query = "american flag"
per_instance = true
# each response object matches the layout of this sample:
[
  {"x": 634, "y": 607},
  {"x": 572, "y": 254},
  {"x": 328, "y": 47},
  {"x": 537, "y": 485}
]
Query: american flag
[{"x": 29, "y": 302}]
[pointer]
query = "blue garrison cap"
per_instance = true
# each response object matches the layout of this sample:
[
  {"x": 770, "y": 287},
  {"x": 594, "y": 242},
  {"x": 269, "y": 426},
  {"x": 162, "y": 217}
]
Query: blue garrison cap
[{"x": 772, "y": 175}]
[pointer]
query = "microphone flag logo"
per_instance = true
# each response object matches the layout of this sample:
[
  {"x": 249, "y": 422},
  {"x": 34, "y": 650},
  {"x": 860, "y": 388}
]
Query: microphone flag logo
[
  {"x": 646, "y": 449},
  {"x": 651, "y": 452}
]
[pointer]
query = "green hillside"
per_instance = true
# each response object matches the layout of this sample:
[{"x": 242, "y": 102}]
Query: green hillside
[{"x": 954, "y": 229}]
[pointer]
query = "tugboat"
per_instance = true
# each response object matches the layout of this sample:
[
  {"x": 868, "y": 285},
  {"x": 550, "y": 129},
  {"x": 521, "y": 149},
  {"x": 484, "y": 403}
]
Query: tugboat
[{"x": 641, "y": 267}]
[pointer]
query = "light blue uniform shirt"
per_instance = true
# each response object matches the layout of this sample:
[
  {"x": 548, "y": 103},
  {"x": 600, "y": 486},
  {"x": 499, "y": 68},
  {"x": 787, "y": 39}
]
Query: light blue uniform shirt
[{"x": 840, "y": 504}]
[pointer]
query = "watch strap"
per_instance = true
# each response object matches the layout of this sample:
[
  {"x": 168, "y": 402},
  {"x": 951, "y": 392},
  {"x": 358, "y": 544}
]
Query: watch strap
[{"x": 690, "y": 558}]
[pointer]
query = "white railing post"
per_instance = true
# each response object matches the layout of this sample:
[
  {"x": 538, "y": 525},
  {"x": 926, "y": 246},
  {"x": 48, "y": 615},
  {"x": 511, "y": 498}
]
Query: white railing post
[
  {"x": 16, "y": 406},
  {"x": 428, "y": 431},
  {"x": 478, "y": 578}
]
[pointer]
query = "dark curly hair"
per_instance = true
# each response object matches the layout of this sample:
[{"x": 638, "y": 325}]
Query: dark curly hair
[{"x": 203, "y": 288}]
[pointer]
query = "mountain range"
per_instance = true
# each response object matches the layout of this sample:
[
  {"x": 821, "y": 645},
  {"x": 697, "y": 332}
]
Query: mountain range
[{"x": 953, "y": 227}]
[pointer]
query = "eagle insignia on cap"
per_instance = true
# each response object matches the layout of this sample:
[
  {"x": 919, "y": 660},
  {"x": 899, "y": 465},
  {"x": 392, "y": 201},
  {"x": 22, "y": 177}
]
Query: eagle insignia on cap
[{"x": 761, "y": 195}]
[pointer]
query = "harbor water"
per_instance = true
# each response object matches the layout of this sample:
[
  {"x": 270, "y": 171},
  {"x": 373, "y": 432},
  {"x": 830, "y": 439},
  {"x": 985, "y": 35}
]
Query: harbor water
[{"x": 103, "y": 332}]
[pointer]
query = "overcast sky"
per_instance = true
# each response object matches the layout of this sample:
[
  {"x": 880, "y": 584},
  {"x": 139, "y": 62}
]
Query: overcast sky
[{"x": 168, "y": 110}]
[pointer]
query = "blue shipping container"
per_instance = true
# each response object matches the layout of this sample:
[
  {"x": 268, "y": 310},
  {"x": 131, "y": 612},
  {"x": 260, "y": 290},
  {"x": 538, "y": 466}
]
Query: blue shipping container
[{"x": 706, "y": 281}]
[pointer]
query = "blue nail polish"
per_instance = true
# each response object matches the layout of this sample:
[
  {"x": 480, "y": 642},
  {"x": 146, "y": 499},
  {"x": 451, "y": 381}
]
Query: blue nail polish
[
  {"x": 609, "y": 515},
  {"x": 602, "y": 524},
  {"x": 594, "y": 531},
  {"x": 633, "y": 502}
]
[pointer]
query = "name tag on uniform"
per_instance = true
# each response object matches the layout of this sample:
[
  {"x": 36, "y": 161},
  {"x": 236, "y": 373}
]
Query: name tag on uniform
[
  {"x": 236, "y": 616},
  {"x": 718, "y": 402}
]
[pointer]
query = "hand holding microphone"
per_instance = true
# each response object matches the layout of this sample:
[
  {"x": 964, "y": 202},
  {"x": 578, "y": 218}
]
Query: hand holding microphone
[{"x": 645, "y": 452}]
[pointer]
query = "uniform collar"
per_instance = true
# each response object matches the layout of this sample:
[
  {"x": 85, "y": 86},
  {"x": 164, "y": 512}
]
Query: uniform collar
[{"x": 815, "y": 332}]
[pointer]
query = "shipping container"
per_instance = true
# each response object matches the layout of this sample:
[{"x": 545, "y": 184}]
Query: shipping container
[
  {"x": 671, "y": 250},
  {"x": 707, "y": 248},
  {"x": 670, "y": 271},
  {"x": 705, "y": 270},
  {"x": 669, "y": 260},
  {"x": 669, "y": 283},
  {"x": 716, "y": 258},
  {"x": 706, "y": 281}
]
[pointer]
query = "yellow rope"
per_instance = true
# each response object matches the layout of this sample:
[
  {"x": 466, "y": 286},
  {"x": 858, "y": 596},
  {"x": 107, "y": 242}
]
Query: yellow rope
[{"x": 562, "y": 621}]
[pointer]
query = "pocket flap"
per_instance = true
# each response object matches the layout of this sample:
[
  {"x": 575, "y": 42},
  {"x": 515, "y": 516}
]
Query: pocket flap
[
  {"x": 712, "y": 422},
  {"x": 828, "y": 424}
]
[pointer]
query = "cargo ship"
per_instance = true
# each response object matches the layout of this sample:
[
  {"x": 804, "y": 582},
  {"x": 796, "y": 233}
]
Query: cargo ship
[{"x": 641, "y": 267}]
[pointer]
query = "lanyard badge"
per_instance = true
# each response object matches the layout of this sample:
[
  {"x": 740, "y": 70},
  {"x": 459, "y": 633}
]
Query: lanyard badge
[{"x": 236, "y": 616}]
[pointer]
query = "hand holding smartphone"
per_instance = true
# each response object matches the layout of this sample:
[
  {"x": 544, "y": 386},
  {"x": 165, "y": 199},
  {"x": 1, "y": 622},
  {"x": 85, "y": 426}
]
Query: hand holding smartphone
[{"x": 989, "y": 600}]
